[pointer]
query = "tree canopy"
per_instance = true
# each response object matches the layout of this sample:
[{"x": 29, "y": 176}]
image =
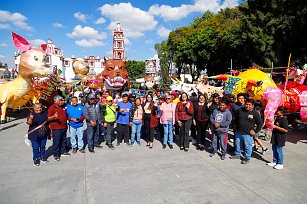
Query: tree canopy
[
  {"x": 253, "y": 33},
  {"x": 135, "y": 69}
]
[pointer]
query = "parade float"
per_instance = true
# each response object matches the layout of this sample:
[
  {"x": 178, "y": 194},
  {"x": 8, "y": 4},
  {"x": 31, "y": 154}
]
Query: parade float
[{"x": 19, "y": 91}]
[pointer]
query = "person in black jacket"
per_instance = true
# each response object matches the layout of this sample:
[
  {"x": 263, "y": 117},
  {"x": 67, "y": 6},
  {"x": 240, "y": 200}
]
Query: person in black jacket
[
  {"x": 245, "y": 120},
  {"x": 201, "y": 119}
]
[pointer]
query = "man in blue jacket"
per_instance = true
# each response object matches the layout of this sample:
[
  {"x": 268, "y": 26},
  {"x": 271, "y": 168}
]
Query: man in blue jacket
[
  {"x": 220, "y": 119},
  {"x": 75, "y": 113}
]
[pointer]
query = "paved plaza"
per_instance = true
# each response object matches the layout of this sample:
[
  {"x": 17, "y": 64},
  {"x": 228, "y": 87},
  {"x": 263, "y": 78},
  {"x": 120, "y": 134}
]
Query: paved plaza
[{"x": 140, "y": 175}]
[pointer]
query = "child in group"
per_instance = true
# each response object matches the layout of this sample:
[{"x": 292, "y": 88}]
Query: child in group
[
  {"x": 220, "y": 119},
  {"x": 278, "y": 140}
]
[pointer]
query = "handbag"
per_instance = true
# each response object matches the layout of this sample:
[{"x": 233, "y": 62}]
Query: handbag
[{"x": 26, "y": 139}]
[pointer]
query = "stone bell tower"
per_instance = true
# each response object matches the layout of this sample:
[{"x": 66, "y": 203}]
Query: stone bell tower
[{"x": 118, "y": 43}]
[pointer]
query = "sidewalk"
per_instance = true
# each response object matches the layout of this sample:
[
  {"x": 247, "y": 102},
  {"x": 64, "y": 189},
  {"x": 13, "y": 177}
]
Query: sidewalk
[{"x": 140, "y": 175}]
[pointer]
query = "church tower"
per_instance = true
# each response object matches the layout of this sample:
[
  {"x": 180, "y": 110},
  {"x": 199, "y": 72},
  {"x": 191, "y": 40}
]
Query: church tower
[{"x": 118, "y": 43}]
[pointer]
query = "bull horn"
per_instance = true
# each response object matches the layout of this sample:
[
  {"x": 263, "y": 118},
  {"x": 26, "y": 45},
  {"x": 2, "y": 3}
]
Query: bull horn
[{"x": 219, "y": 77}]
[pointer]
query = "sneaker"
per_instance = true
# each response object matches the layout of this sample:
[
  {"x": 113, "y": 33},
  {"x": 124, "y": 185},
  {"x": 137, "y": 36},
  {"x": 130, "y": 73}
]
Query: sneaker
[
  {"x": 127, "y": 143},
  {"x": 74, "y": 150},
  {"x": 212, "y": 155},
  {"x": 235, "y": 157},
  {"x": 111, "y": 146},
  {"x": 181, "y": 148},
  {"x": 44, "y": 160},
  {"x": 245, "y": 161},
  {"x": 164, "y": 146},
  {"x": 36, "y": 162},
  {"x": 265, "y": 151},
  {"x": 91, "y": 150},
  {"x": 171, "y": 146},
  {"x": 98, "y": 146},
  {"x": 255, "y": 148},
  {"x": 186, "y": 149},
  {"x": 82, "y": 150},
  {"x": 278, "y": 166},
  {"x": 139, "y": 143},
  {"x": 271, "y": 164},
  {"x": 118, "y": 144},
  {"x": 65, "y": 154},
  {"x": 223, "y": 157},
  {"x": 57, "y": 158}
]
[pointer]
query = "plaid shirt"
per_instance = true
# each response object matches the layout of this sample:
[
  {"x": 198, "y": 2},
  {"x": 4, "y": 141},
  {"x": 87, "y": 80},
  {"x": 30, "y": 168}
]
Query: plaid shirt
[{"x": 184, "y": 113}]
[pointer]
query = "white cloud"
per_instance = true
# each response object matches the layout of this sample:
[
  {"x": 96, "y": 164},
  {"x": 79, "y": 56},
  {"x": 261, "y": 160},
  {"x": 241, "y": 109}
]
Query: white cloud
[
  {"x": 150, "y": 41},
  {"x": 81, "y": 17},
  {"x": 89, "y": 43},
  {"x": 100, "y": 20},
  {"x": 17, "y": 19},
  {"x": 58, "y": 25},
  {"x": 86, "y": 32},
  {"x": 133, "y": 20},
  {"x": 169, "y": 13},
  {"x": 109, "y": 53},
  {"x": 37, "y": 42},
  {"x": 127, "y": 41},
  {"x": 163, "y": 32},
  {"x": 2, "y": 57},
  {"x": 5, "y": 26},
  {"x": 3, "y": 45}
]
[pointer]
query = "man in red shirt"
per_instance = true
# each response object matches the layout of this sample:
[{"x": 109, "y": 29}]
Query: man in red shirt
[{"x": 58, "y": 124}]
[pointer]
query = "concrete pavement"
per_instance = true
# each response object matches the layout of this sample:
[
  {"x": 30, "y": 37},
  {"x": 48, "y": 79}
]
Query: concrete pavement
[{"x": 140, "y": 175}]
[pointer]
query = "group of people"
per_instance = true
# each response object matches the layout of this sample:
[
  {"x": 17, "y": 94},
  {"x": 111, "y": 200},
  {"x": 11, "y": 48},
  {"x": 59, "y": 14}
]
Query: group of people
[{"x": 161, "y": 114}]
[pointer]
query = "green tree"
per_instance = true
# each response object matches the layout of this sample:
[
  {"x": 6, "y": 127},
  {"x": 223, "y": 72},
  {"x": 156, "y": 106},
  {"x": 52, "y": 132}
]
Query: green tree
[
  {"x": 135, "y": 69},
  {"x": 165, "y": 57}
]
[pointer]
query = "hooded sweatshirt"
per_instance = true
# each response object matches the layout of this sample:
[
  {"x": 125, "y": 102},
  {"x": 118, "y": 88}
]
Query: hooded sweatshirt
[{"x": 223, "y": 118}]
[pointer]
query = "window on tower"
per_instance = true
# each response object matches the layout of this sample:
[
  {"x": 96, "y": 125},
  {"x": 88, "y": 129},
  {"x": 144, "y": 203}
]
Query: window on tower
[
  {"x": 119, "y": 44},
  {"x": 119, "y": 55}
]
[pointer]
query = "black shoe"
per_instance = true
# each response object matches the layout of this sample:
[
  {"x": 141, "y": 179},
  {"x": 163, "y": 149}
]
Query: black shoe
[
  {"x": 111, "y": 146},
  {"x": 235, "y": 157},
  {"x": 118, "y": 144},
  {"x": 82, "y": 150},
  {"x": 91, "y": 150},
  {"x": 44, "y": 160},
  {"x": 98, "y": 146},
  {"x": 171, "y": 146},
  {"x": 56, "y": 158},
  {"x": 181, "y": 148},
  {"x": 163, "y": 146},
  {"x": 36, "y": 162},
  {"x": 74, "y": 150},
  {"x": 212, "y": 155},
  {"x": 127, "y": 143},
  {"x": 186, "y": 149},
  {"x": 245, "y": 161},
  {"x": 65, "y": 154}
]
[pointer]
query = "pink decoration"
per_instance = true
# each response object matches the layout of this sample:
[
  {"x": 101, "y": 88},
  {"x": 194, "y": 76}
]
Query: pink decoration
[
  {"x": 303, "y": 111},
  {"x": 273, "y": 96},
  {"x": 20, "y": 43}
]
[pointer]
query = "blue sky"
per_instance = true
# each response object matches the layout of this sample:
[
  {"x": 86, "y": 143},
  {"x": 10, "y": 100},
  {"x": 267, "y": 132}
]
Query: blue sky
[{"x": 84, "y": 27}]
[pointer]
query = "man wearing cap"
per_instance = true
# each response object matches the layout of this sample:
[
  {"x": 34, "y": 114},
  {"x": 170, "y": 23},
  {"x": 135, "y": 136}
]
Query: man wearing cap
[
  {"x": 94, "y": 117},
  {"x": 109, "y": 111}
]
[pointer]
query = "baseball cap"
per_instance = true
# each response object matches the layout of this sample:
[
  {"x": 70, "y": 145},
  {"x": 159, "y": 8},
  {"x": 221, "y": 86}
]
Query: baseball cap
[
  {"x": 173, "y": 93},
  {"x": 91, "y": 96},
  {"x": 109, "y": 98},
  {"x": 215, "y": 95}
]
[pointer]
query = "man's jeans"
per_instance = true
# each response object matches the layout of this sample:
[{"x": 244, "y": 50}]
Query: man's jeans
[
  {"x": 168, "y": 132},
  {"x": 278, "y": 154},
  {"x": 92, "y": 135},
  {"x": 248, "y": 144},
  {"x": 59, "y": 142},
  {"x": 136, "y": 128},
  {"x": 38, "y": 147},
  {"x": 79, "y": 133}
]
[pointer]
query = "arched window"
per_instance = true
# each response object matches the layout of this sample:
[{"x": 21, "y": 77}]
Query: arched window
[{"x": 119, "y": 55}]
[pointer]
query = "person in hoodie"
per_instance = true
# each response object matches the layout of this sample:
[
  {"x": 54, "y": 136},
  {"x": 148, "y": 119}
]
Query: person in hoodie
[{"x": 220, "y": 119}]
